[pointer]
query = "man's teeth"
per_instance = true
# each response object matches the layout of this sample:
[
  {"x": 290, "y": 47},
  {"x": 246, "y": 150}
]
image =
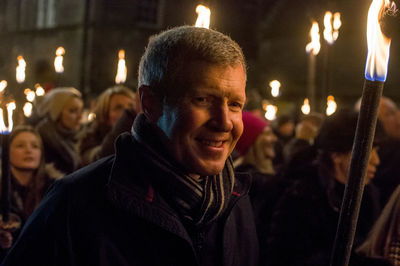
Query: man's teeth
[{"x": 212, "y": 143}]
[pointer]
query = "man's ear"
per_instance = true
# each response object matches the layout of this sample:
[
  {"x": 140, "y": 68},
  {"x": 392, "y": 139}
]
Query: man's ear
[{"x": 151, "y": 103}]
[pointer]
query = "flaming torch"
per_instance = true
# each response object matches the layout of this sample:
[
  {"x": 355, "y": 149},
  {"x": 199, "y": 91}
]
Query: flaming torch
[
  {"x": 312, "y": 49},
  {"x": 331, "y": 105},
  {"x": 332, "y": 23},
  {"x": 58, "y": 60},
  {"x": 203, "y": 17},
  {"x": 305, "y": 108},
  {"x": 20, "y": 70},
  {"x": 375, "y": 76},
  {"x": 275, "y": 85},
  {"x": 5, "y": 130},
  {"x": 121, "y": 71}
]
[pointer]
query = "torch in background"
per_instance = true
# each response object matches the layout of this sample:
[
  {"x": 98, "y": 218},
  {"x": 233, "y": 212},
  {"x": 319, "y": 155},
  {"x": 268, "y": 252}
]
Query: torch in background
[
  {"x": 203, "y": 17},
  {"x": 121, "y": 68},
  {"x": 331, "y": 105},
  {"x": 58, "y": 64},
  {"x": 312, "y": 49},
  {"x": 275, "y": 86},
  {"x": 20, "y": 70},
  {"x": 9, "y": 221},
  {"x": 332, "y": 24},
  {"x": 375, "y": 76},
  {"x": 305, "y": 108}
]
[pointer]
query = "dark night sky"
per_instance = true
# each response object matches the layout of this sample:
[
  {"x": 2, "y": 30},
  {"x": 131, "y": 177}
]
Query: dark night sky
[{"x": 274, "y": 33}]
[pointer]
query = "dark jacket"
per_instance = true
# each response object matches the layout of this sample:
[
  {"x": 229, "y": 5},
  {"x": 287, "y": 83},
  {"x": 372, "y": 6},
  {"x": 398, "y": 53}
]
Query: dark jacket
[
  {"x": 304, "y": 223},
  {"x": 109, "y": 214}
]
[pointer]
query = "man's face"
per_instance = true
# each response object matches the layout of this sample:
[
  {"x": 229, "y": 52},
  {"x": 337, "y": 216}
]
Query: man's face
[
  {"x": 389, "y": 116},
  {"x": 202, "y": 128}
]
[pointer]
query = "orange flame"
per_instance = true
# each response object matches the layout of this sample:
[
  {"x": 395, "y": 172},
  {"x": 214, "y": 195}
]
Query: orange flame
[
  {"x": 203, "y": 17},
  {"x": 314, "y": 46},
  {"x": 378, "y": 43},
  {"x": 121, "y": 69},
  {"x": 58, "y": 61},
  {"x": 20, "y": 70}
]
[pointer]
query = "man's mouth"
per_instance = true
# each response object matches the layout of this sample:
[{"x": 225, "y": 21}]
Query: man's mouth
[{"x": 212, "y": 143}]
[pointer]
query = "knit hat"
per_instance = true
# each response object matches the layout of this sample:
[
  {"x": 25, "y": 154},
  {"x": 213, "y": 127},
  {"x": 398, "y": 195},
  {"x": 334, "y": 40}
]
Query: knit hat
[
  {"x": 338, "y": 130},
  {"x": 54, "y": 101},
  {"x": 252, "y": 127}
]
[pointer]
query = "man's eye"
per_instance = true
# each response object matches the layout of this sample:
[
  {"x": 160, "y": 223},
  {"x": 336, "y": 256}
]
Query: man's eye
[
  {"x": 237, "y": 105},
  {"x": 201, "y": 100}
]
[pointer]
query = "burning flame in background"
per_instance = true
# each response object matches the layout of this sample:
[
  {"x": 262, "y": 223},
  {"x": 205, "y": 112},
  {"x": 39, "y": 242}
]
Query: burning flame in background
[
  {"x": 10, "y": 108},
  {"x": 203, "y": 18},
  {"x": 58, "y": 61},
  {"x": 3, "y": 85},
  {"x": 331, "y": 105},
  {"x": 305, "y": 108},
  {"x": 331, "y": 31},
  {"x": 314, "y": 46},
  {"x": 378, "y": 43},
  {"x": 20, "y": 70},
  {"x": 275, "y": 85},
  {"x": 121, "y": 69}
]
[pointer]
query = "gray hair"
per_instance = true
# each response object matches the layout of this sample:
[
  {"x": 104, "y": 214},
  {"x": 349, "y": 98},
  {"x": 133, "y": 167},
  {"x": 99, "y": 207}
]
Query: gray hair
[{"x": 169, "y": 53}]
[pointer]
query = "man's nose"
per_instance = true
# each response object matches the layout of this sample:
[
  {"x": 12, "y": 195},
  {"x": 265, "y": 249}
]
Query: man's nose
[{"x": 221, "y": 118}]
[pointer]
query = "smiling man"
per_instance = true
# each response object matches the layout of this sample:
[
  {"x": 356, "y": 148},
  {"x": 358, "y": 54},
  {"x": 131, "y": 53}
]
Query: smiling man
[{"x": 170, "y": 195}]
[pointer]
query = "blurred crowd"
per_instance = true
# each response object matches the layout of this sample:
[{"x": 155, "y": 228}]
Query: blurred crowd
[{"x": 299, "y": 167}]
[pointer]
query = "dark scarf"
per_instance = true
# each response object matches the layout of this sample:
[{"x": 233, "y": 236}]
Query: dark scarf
[
  {"x": 197, "y": 201},
  {"x": 62, "y": 140}
]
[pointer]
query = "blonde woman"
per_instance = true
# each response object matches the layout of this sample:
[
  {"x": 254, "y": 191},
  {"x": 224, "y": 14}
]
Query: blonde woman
[{"x": 110, "y": 105}]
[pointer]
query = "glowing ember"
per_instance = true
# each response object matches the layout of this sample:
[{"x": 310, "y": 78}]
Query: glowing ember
[
  {"x": 331, "y": 105},
  {"x": 3, "y": 85},
  {"x": 314, "y": 46},
  {"x": 305, "y": 108},
  {"x": 378, "y": 43},
  {"x": 270, "y": 113},
  {"x": 122, "y": 70},
  {"x": 203, "y": 17},
  {"x": 58, "y": 61},
  {"x": 27, "y": 109},
  {"x": 39, "y": 90},
  {"x": 20, "y": 70},
  {"x": 275, "y": 85}
]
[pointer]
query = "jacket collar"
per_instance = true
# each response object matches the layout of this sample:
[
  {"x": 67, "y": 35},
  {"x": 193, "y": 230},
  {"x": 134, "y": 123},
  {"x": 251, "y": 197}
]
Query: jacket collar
[{"x": 130, "y": 189}]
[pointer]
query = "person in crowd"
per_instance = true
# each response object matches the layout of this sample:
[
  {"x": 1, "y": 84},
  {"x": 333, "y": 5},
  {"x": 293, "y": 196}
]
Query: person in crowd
[
  {"x": 283, "y": 128},
  {"x": 110, "y": 105},
  {"x": 256, "y": 152},
  {"x": 300, "y": 150},
  {"x": 170, "y": 195},
  {"x": 383, "y": 242},
  {"x": 28, "y": 178},
  {"x": 304, "y": 222},
  {"x": 256, "y": 145},
  {"x": 61, "y": 112},
  {"x": 388, "y": 173},
  {"x": 306, "y": 131}
]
